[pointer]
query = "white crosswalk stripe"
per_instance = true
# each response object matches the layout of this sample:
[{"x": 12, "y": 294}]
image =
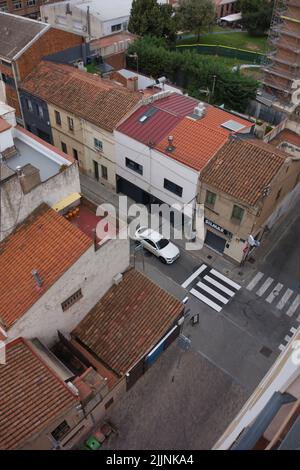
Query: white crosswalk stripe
[
  {"x": 211, "y": 287},
  {"x": 274, "y": 293},
  {"x": 294, "y": 306},
  {"x": 283, "y": 296},
  {"x": 255, "y": 281},
  {"x": 284, "y": 299},
  {"x": 265, "y": 286}
]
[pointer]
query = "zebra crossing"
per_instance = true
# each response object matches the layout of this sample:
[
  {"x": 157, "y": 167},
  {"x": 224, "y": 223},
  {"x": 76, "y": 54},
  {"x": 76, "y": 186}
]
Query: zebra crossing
[
  {"x": 283, "y": 298},
  {"x": 211, "y": 287}
]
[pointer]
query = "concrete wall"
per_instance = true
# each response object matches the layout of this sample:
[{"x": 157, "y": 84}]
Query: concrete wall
[
  {"x": 92, "y": 273},
  {"x": 156, "y": 167},
  {"x": 16, "y": 206}
]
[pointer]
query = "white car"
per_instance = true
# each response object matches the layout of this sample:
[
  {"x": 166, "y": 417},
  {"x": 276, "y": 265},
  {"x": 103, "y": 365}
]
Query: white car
[{"x": 154, "y": 242}]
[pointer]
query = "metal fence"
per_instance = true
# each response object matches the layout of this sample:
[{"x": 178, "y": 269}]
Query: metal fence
[{"x": 224, "y": 51}]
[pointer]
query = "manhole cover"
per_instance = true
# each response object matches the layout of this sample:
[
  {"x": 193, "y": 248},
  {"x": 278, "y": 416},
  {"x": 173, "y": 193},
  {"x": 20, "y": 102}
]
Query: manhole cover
[
  {"x": 265, "y": 351},
  {"x": 209, "y": 256}
]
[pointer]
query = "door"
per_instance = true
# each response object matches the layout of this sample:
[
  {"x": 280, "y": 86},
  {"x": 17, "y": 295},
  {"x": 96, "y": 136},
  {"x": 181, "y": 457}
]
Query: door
[
  {"x": 96, "y": 170},
  {"x": 214, "y": 241}
]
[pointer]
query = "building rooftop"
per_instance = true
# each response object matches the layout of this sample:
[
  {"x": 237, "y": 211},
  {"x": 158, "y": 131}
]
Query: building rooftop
[
  {"x": 96, "y": 100},
  {"x": 196, "y": 140},
  {"x": 4, "y": 126},
  {"x": 243, "y": 168},
  {"x": 128, "y": 321},
  {"x": 112, "y": 39},
  {"x": 45, "y": 241},
  {"x": 286, "y": 137},
  {"x": 194, "y": 143},
  {"x": 31, "y": 395},
  {"x": 105, "y": 10},
  {"x": 153, "y": 121},
  {"x": 16, "y": 33},
  {"x": 145, "y": 82}
]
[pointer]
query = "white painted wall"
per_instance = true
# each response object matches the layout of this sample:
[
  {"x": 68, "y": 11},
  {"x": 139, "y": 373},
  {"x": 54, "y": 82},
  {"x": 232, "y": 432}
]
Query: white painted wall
[
  {"x": 93, "y": 273},
  {"x": 156, "y": 167}
]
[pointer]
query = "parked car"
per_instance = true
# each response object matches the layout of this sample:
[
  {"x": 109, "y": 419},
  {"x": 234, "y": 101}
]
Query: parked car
[{"x": 157, "y": 244}]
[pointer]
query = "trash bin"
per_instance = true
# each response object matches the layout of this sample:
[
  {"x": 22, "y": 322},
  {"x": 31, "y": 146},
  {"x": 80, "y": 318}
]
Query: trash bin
[{"x": 92, "y": 443}]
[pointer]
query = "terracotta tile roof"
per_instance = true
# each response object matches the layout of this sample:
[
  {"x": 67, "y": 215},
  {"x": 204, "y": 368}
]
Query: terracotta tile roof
[
  {"x": 242, "y": 168},
  {"x": 96, "y": 100},
  {"x": 165, "y": 113},
  {"x": 195, "y": 144},
  {"x": 31, "y": 396},
  {"x": 215, "y": 117},
  {"x": 45, "y": 241},
  {"x": 128, "y": 321}
]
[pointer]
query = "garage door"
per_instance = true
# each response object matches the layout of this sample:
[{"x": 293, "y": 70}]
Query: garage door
[
  {"x": 214, "y": 241},
  {"x": 132, "y": 191}
]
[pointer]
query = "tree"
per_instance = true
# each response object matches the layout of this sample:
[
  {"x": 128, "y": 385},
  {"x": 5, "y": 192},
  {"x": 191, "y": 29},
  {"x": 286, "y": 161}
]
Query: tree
[
  {"x": 256, "y": 15},
  {"x": 148, "y": 17},
  {"x": 195, "y": 15}
]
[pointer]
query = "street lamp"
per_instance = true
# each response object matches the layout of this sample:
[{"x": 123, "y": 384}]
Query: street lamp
[{"x": 136, "y": 57}]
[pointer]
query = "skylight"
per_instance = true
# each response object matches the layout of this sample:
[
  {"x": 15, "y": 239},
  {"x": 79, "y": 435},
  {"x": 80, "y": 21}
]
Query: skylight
[{"x": 232, "y": 125}]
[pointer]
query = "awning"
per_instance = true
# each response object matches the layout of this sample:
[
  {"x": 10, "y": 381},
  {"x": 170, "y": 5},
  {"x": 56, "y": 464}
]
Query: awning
[
  {"x": 232, "y": 18},
  {"x": 67, "y": 201}
]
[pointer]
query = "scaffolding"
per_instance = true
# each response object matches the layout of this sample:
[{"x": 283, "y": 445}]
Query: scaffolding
[{"x": 282, "y": 63}]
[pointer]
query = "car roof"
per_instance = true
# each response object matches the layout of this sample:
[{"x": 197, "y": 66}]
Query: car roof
[{"x": 152, "y": 234}]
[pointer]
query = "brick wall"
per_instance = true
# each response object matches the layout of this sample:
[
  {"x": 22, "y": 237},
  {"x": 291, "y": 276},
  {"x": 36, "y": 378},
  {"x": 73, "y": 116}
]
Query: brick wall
[
  {"x": 54, "y": 40},
  {"x": 12, "y": 99},
  {"x": 117, "y": 61}
]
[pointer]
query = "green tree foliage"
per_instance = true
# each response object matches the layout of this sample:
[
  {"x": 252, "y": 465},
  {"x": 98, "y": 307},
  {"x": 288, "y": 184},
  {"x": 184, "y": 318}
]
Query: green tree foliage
[
  {"x": 193, "y": 73},
  {"x": 148, "y": 17},
  {"x": 196, "y": 15},
  {"x": 256, "y": 15}
]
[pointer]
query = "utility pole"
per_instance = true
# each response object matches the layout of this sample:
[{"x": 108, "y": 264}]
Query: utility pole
[{"x": 214, "y": 84}]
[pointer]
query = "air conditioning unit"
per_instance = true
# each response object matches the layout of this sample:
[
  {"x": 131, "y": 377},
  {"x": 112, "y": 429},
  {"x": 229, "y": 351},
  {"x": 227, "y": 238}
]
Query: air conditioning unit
[{"x": 117, "y": 279}]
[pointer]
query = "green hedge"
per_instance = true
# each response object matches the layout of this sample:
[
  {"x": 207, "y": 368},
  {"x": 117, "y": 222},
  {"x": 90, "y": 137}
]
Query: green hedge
[{"x": 224, "y": 51}]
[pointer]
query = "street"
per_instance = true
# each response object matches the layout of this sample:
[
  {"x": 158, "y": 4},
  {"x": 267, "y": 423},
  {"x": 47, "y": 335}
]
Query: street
[{"x": 246, "y": 316}]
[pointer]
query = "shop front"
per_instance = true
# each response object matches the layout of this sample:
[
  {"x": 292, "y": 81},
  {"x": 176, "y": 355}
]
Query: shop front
[{"x": 216, "y": 237}]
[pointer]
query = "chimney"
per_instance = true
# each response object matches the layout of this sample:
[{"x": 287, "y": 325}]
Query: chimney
[
  {"x": 37, "y": 278},
  {"x": 29, "y": 177},
  {"x": 132, "y": 83},
  {"x": 170, "y": 146}
]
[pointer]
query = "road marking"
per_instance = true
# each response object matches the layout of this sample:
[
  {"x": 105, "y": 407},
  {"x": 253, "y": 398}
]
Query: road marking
[
  {"x": 265, "y": 286},
  {"x": 281, "y": 347},
  {"x": 226, "y": 279},
  {"x": 284, "y": 299},
  {"x": 293, "y": 330},
  {"x": 294, "y": 306},
  {"x": 212, "y": 292},
  {"x": 255, "y": 281},
  {"x": 287, "y": 338},
  {"x": 190, "y": 279},
  {"x": 219, "y": 285},
  {"x": 207, "y": 301},
  {"x": 274, "y": 293}
]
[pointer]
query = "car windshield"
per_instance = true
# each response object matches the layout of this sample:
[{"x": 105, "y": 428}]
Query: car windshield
[{"x": 162, "y": 243}]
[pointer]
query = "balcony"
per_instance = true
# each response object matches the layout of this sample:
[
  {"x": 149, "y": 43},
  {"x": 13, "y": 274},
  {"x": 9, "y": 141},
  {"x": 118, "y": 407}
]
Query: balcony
[{"x": 279, "y": 73}]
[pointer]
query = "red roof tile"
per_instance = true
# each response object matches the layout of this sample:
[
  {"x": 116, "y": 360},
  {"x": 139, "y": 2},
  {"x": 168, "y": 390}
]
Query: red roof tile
[
  {"x": 128, "y": 321},
  {"x": 195, "y": 144},
  {"x": 31, "y": 396},
  {"x": 243, "y": 168},
  {"x": 45, "y": 241},
  {"x": 96, "y": 100},
  {"x": 286, "y": 136},
  {"x": 215, "y": 117}
]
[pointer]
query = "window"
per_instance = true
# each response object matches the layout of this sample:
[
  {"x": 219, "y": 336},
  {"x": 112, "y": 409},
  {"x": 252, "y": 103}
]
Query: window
[
  {"x": 57, "y": 118},
  {"x": 71, "y": 300},
  {"x": 104, "y": 172},
  {"x": 39, "y": 111},
  {"x": 237, "y": 213},
  {"x": 29, "y": 105},
  {"x": 172, "y": 187},
  {"x": 70, "y": 124},
  {"x": 17, "y": 4},
  {"x": 3, "y": 6},
  {"x": 75, "y": 154},
  {"x": 98, "y": 144},
  {"x": 150, "y": 242},
  {"x": 116, "y": 27},
  {"x": 134, "y": 166},
  {"x": 210, "y": 198},
  {"x": 61, "y": 430},
  {"x": 31, "y": 3},
  {"x": 64, "y": 147}
]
